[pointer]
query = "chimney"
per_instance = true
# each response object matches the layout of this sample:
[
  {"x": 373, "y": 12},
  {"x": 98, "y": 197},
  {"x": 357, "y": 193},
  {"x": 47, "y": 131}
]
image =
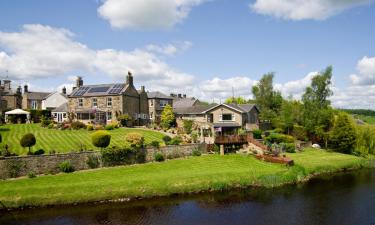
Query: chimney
[
  {"x": 172, "y": 95},
  {"x": 25, "y": 88},
  {"x": 64, "y": 90},
  {"x": 129, "y": 79},
  {"x": 184, "y": 95},
  {"x": 19, "y": 90},
  {"x": 79, "y": 82},
  {"x": 179, "y": 96},
  {"x": 7, "y": 85},
  {"x": 143, "y": 89}
]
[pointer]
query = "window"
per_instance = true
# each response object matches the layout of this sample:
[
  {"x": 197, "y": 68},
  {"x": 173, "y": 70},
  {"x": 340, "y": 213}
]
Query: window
[
  {"x": 55, "y": 115},
  {"x": 64, "y": 115},
  {"x": 94, "y": 102},
  {"x": 163, "y": 103},
  {"x": 151, "y": 102},
  {"x": 109, "y": 115},
  {"x": 80, "y": 102},
  {"x": 151, "y": 115},
  {"x": 109, "y": 102},
  {"x": 144, "y": 116},
  {"x": 227, "y": 117},
  {"x": 34, "y": 104}
]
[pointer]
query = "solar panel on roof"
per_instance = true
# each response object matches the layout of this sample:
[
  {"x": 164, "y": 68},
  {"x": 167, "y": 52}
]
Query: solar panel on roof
[
  {"x": 98, "y": 89},
  {"x": 116, "y": 89},
  {"x": 81, "y": 91}
]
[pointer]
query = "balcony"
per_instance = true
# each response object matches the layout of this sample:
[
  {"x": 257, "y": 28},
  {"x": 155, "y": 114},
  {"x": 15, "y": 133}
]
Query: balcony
[{"x": 233, "y": 139}]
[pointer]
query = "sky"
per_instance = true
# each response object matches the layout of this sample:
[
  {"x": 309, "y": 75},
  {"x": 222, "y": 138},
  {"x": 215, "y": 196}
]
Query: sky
[{"x": 204, "y": 48}]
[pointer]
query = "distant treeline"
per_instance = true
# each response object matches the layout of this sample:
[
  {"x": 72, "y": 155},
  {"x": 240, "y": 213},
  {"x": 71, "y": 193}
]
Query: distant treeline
[{"x": 365, "y": 112}]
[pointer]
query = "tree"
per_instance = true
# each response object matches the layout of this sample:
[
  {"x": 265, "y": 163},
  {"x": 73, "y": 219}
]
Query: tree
[
  {"x": 167, "y": 117},
  {"x": 267, "y": 99},
  {"x": 188, "y": 125},
  {"x": 136, "y": 140},
  {"x": 317, "y": 113},
  {"x": 236, "y": 100},
  {"x": 101, "y": 139},
  {"x": 343, "y": 135},
  {"x": 28, "y": 140}
]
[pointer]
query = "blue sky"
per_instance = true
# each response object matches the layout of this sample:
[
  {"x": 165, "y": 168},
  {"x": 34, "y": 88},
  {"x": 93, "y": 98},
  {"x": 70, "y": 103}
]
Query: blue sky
[{"x": 199, "y": 47}]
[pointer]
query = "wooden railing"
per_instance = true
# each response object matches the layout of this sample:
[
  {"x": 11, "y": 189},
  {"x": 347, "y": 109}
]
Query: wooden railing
[{"x": 239, "y": 139}]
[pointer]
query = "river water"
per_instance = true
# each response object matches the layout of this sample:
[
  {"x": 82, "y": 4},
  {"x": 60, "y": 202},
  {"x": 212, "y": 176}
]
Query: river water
[{"x": 333, "y": 200}]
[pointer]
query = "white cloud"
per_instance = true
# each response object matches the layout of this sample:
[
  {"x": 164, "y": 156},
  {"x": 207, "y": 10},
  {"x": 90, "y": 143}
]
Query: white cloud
[
  {"x": 41, "y": 51},
  {"x": 170, "y": 49},
  {"x": 295, "y": 88},
  {"x": 304, "y": 9},
  {"x": 146, "y": 14},
  {"x": 366, "y": 69}
]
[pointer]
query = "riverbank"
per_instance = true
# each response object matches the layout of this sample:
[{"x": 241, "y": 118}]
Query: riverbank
[{"x": 191, "y": 175}]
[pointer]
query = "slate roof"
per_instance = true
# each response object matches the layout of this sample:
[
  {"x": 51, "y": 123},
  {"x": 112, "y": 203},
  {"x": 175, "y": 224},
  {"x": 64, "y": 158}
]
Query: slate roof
[
  {"x": 158, "y": 94},
  {"x": 98, "y": 90},
  {"x": 194, "y": 110},
  {"x": 184, "y": 102},
  {"x": 242, "y": 108},
  {"x": 61, "y": 108},
  {"x": 37, "y": 95}
]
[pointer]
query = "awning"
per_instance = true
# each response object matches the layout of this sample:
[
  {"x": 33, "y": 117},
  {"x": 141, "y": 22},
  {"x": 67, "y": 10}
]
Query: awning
[
  {"x": 17, "y": 112},
  {"x": 226, "y": 125}
]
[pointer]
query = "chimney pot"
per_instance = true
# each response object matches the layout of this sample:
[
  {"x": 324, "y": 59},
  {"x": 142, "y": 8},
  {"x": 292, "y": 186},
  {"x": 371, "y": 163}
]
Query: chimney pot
[
  {"x": 25, "y": 88},
  {"x": 129, "y": 79},
  {"x": 184, "y": 95},
  {"x": 79, "y": 82},
  {"x": 179, "y": 96},
  {"x": 142, "y": 88},
  {"x": 64, "y": 90}
]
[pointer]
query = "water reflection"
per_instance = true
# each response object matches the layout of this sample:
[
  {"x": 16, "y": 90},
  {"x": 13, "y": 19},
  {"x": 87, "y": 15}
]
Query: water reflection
[{"x": 344, "y": 199}]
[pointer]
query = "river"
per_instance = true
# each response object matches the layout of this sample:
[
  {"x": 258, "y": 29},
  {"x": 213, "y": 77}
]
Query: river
[{"x": 341, "y": 199}]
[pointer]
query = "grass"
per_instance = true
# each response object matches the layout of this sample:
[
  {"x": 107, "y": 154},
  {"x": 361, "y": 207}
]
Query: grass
[
  {"x": 65, "y": 140},
  {"x": 194, "y": 174},
  {"x": 367, "y": 119}
]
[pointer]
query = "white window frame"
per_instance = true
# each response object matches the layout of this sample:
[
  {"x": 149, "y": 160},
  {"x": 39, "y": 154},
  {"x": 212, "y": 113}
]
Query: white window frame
[
  {"x": 231, "y": 120},
  {"x": 163, "y": 103},
  {"x": 109, "y": 115},
  {"x": 109, "y": 101},
  {"x": 94, "y": 102},
  {"x": 34, "y": 104},
  {"x": 80, "y": 102}
]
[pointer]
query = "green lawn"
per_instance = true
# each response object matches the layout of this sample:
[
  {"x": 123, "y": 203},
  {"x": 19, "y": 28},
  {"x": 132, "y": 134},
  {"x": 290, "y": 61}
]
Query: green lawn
[
  {"x": 367, "y": 119},
  {"x": 210, "y": 172},
  {"x": 65, "y": 140}
]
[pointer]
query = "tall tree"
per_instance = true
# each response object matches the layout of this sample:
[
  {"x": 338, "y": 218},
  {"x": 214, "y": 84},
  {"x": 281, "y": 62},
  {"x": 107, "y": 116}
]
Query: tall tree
[
  {"x": 268, "y": 100},
  {"x": 167, "y": 117},
  {"x": 236, "y": 100},
  {"x": 343, "y": 135}
]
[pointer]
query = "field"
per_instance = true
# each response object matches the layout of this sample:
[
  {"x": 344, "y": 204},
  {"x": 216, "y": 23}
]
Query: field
[
  {"x": 194, "y": 174},
  {"x": 64, "y": 140},
  {"x": 367, "y": 119}
]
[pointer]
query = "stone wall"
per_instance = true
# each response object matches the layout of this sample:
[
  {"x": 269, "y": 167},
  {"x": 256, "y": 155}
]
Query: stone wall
[{"x": 49, "y": 164}]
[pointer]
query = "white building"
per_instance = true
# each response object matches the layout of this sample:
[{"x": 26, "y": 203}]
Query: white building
[{"x": 54, "y": 100}]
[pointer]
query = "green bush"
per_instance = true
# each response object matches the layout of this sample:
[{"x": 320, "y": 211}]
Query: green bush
[
  {"x": 188, "y": 125},
  {"x": 278, "y": 130},
  {"x": 279, "y": 138},
  {"x": 299, "y": 133},
  {"x": 44, "y": 122},
  {"x": 196, "y": 152},
  {"x": 90, "y": 127},
  {"x": 365, "y": 139},
  {"x": 93, "y": 162},
  {"x": 136, "y": 140},
  {"x": 31, "y": 174},
  {"x": 28, "y": 140},
  {"x": 121, "y": 156},
  {"x": 66, "y": 167},
  {"x": 159, "y": 157},
  {"x": 289, "y": 147},
  {"x": 39, "y": 152},
  {"x": 50, "y": 126},
  {"x": 167, "y": 139},
  {"x": 257, "y": 134},
  {"x": 109, "y": 127},
  {"x": 176, "y": 140},
  {"x": 155, "y": 144},
  {"x": 124, "y": 120},
  {"x": 343, "y": 136},
  {"x": 76, "y": 125},
  {"x": 101, "y": 138},
  {"x": 194, "y": 136}
]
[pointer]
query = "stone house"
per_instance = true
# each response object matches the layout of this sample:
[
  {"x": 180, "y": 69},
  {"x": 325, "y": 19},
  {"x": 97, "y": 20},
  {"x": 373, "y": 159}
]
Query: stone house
[
  {"x": 220, "y": 119},
  {"x": 156, "y": 103},
  {"x": 33, "y": 100},
  {"x": 9, "y": 99},
  {"x": 104, "y": 103}
]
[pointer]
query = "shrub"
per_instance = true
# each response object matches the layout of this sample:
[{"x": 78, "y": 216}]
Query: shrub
[
  {"x": 101, "y": 139},
  {"x": 76, "y": 125},
  {"x": 279, "y": 138},
  {"x": 93, "y": 161},
  {"x": 31, "y": 174},
  {"x": 167, "y": 117},
  {"x": 39, "y": 152},
  {"x": 155, "y": 144},
  {"x": 124, "y": 120},
  {"x": 257, "y": 134},
  {"x": 167, "y": 139},
  {"x": 278, "y": 130},
  {"x": 28, "y": 140},
  {"x": 196, "y": 152},
  {"x": 50, "y": 126},
  {"x": 90, "y": 127},
  {"x": 66, "y": 167},
  {"x": 136, "y": 140},
  {"x": 299, "y": 133},
  {"x": 343, "y": 136},
  {"x": 241, "y": 131},
  {"x": 365, "y": 139},
  {"x": 159, "y": 157},
  {"x": 176, "y": 140},
  {"x": 44, "y": 122},
  {"x": 121, "y": 156},
  {"x": 109, "y": 127},
  {"x": 194, "y": 136},
  {"x": 99, "y": 127},
  {"x": 289, "y": 147},
  {"x": 188, "y": 125}
]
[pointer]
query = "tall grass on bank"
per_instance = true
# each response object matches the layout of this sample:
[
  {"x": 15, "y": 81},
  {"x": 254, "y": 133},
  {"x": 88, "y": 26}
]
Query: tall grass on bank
[{"x": 365, "y": 139}]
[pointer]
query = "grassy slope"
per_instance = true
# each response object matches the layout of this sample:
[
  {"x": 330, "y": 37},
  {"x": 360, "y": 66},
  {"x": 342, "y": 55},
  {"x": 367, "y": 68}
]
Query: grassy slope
[
  {"x": 367, "y": 119},
  {"x": 211, "y": 172},
  {"x": 64, "y": 140}
]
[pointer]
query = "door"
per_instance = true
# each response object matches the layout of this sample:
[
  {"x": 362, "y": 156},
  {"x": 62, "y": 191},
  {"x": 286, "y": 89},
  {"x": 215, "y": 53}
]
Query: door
[{"x": 59, "y": 117}]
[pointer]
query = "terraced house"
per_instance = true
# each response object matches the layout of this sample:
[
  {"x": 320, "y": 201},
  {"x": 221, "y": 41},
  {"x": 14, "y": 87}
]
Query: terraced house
[{"x": 104, "y": 103}]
